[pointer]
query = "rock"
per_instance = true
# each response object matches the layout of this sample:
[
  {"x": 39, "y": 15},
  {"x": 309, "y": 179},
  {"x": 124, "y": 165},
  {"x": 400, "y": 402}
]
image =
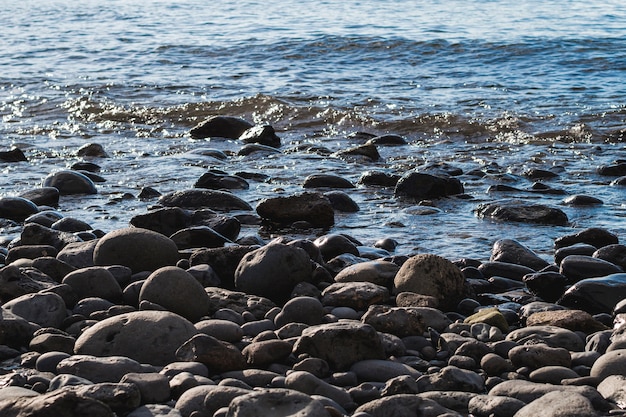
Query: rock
[
  {"x": 387, "y": 140},
  {"x": 495, "y": 365},
  {"x": 549, "y": 286},
  {"x": 277, "y": 403},
  {"x": 94, "y": 369},
  {"x": 266, "y": 352},
  {"x": 575, "y": 249},
  {"x": 262, "y": 134},
  {"x": 504, "y": 270},
  {"x": 615, "y": 254},
  {"x": 556, "y": 404},
  {"x": 43, "y": 196},
  {"x": 70, "y": 182},
  {"x": 422, "y": 186},
  {"x": 403, "y": 405},
  {"x": 314, "y": 208},
  {"x": 340, "y": 344},
  {"x": 367, "y": 151},
  {"x": 596, "y": 295},
  {"x": 488, "y": 405},
  {"x": 517, "y": 211},
  {"x": 16, "y": 208},
  {"x": 92, "y": 150},
  {"x": 273, "y": 271},
  {"x": 15, "y": 282},
  {"x": 613, "y": 388},
  {"x": 528, "y": 391},
  {"x": 326, "y": 181},
  {"x": 220, "y": 126},
  {"x": 45, "y": 310},
  {"x": 205, "y": 275},
  {"x": 404, "y": 321},
  {"x": 451, "y": 378},
  {"x": 552, "y": 374},
  {"x": 342, "y": 202},
  {"x": 252, "y": 377},
  {"x": 611, "y": 363},
  {"x": 15, "y": 332},
  {"x": 13, "y": 155},
  {"x": 333, "y": 245},
  {"x": 154, "y": 410},
  {"x": 145, "y": 336},
  {"x": 56, "y": 403},
  {"x": 582, "y": 200},
  {"x": 217, "y": 180},
  {"x": 357, "y": 295},
  {"x": 224, "y": 261},
  {"x": 539, "y": 355},
  {"x": 138, "y": 249},
  {"x": 382, "y": 179},
  {"x": 224, "y": 330},
  {"x": 434, "y": 276},
  {"x": 78, "y": 254},
  {"x": 512, "y": 251},
  {"x": 579, "y": 267},
  {"x": 308, "y": 383},
  {"x": 167, "y": 220},
  {"x": 594, "y": 236},
  {"x": 192, "y": 401},
  {"x": 36, "y": 234},
  {"x": 491, "y": 316},
  {"x": 575, "y": 320},
  {"x": 202, "y": 198},
  {"x": 410, "y": 299},
  {"x": 94, "y": 281},
  {"x": 237, "y": 302},
  {"x": 377, "y": 272},
  {"x": 379, "y": 370},
  {"x": 252, "y": 148},
  {"x": 550, "y": 335},
  {"x": 218, "y": 356},
  {"x": 307, "y": 310},
  {"x": 615, "y": 170}
]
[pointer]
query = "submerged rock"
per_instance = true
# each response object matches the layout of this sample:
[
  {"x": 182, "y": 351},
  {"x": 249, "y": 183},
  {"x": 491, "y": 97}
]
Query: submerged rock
[{"x": 516, "y": 211}]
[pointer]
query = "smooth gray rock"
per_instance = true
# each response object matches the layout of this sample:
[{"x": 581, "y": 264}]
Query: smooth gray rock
[
  {"x": 501, "y": 406},
  {"x": 94, "y": 281},
  {"x": 557, "y": 404},
  {"x": 70, "y": 182},
  {"x": 314, "y": 208},
  {"x": 512, "y": 251},
  {"x": 611, "y": 363},
  {"x": 277, "y": 403},
  {"x": 45, "y": 310},
  {"x": 197, "y": 198},
  {"x": 98, "y": 369}
]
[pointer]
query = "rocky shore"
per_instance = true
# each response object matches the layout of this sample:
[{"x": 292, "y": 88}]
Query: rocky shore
[{"x": 179, "y": 314}]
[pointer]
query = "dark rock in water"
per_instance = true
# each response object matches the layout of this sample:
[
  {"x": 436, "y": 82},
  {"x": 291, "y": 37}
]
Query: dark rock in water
[
  {"x": 71, "y": 225},
  {"x": 251, "y": 148},
  {"x": 616, "y": 254},
  {"x": 253, "y": 176},
  {"x": 619, "y": 181},
  {"x": 421, "y": 186},
  {"x": 220, "y": 126},
  {"x": 578, "y": 267},
  {"x": 226, "y": 226},
  {"x": 85, "y": 166},
  {"x": 326, "y": 180},
  {"x": 44, "y": 196},
  {"x": 596, "y": 295},
  {"x": 379, "y": 178},
  {"x": 218, "y": 180},
  {"x": 356, "y": 295},
  {"x": 218, "y": 356},
  {"x": 13, "y": 155},
  {"x": 166, "y": 221},
  {"x": 273, "y": 271},
  {"x": 335, "y": 244},
  {"x": 368, "y": 151},
  {"x": 512, "y": 251},
  {"x": 575, "y": 249},
  {"x": 594, "y": 236},
  {"x": 517, "y": 211},
  {"x": 582, "y": 200},
  {"x": 536, "y": 173},
  {"x": 264, "y": 135},
  {"x": 505, "y": 270},
  {"x": 340, "y": 344},
  {"x": 94, "y": 150},
  {"x": 198, "y": 237},
  {"x": 387, "y": 140},
  {"x": 138, "y": 249},
  {"x": 223, "y": 260},
  {"x": 342, "y": 202},
  {"x": 549, "y": 286},
  {"x": 16, "y": 208},
  {"x": 148, "y": 193},
  {"x": 36, "y": 234},
  {"x": 314, "y": 208},
  {"x": 70, "y": 182},
  {"x": 214, "y": 153},
  {"x": 616, "y": 170},
  {"x": 197, "y": 198}
]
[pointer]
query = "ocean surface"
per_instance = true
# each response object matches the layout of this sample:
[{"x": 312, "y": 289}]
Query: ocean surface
[{"x": 499, "y": 86}]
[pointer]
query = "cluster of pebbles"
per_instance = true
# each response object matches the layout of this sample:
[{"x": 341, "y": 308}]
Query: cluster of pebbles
[{"x": 178, "y": 315}]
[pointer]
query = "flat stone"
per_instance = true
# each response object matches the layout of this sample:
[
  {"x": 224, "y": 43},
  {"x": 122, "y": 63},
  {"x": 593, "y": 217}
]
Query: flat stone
[
  {"x": 314, "y": 208},
  {"x": 516, "y": 211}
]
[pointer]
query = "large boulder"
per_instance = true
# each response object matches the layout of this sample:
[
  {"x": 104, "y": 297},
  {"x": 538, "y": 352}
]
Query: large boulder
[
  {"x": 138, "y": 249},
  {"x": 145, "y": 336}
]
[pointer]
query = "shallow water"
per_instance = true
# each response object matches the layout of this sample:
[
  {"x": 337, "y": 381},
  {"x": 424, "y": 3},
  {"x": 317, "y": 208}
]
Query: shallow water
[{"x": 493, "y": 85}]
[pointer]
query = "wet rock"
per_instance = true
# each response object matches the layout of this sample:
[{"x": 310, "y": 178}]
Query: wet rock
[
  {"x": 224, "y": 261},
  {"x": 594, "y": 236},
  {"x": 404, "y": 321},
  {"x": 488, "y": 405},
  {"x": 198, "y": 237},
  {"x": 261, "y": 134},
  {"x": 333, "y": 245},
  {"x": 55, "y": 403},
  {"x": 387, "y": 140},
  {"x": 368, "y": 151},
  {"x": 218, "y": 356},
  {"x": 357, "y": 295},
  {"x": 277, "y": 403},
  {"x": 94, "y": 150},
  {"x": 621, "y": 181},
  {"x": 238, "y": 302},
  {"x": 273, "y": 271},
  {"x": 550, "y": 335},
  {"x": 451, "y": 378},
  {"x": 98, "y": 369},
  {"x": 145, "y": 336},
  {"x": 596, "y": 295},
  {"x": 512, "y": 251},
  {"x": 30, "y": 252},
  {"x": 70, "y": 182},
  {"x": 549, "y": 286},
  {"x": 94, "y": 281},
  {"x": 167, "y": 220},
  {"x": 15, "y": 331},
  {"x": 377, "y": 272},
  {"x": 16, "y": 208},
  {"x": 516, "y": 211},
  {"x": 13, "y": 155},
  {"x": 15, "y": 282},
  {"x": 138, "y": 249},
  {"x": 575, "y": 249},
  {"x": 421, "y": 186},
  {"x": 615, "y": 170},
  {"x": 434, "y": 276},
  {"x": 342, "y": 202},
  {"x": 340, "y": 344},
  {"x": 575, "y": 320},
  {"x": 378, "y": 178},
  {"x": 611, "y": 363},
  {"x": 307, "y": 310},
  {"x": 36, "y": 234},
  {"x": 404, "y": 405},
  {"x": 504, "y": 270},
  {"x": 314, "y": 208},
  {"x": 220, "y": 126},
  {"x": 177, "y": 291},
  {"x": 615, "y": 254},
  {"x": 379, "y": 370},
  {"x": 579, "y": 267},
  {"x": 256, "y": 148},
  {"x": 582, "y": 200},
  {"x": 202, "y": 198},
  {"x": 326, "y": 180},
  {"x": 45, "y": 310},
  {"x": 43, "y": 196},
  {"x": 216, "y": 180}
]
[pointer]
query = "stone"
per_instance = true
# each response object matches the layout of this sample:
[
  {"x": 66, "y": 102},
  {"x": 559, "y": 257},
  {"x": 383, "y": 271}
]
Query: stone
[
  {"x": 431, "y": 275},
  {"x": 495, "y": 365},
  {"x": 341, "y": 201},
  {"x": 177, "y": 291},
  {"x": 217, "y": 180},
  {"x": 596, "y": 295},
  {"x": 273, "y": 271},
  {"x": 70, "y": 224},
  {"x": 575, "y": 320},
  {"x": 611, "y": 363},
  {"x": 166, "y": 220},
  {"x": 224, "y": 261},
  {"x": 121, "y": 398},
  {"x": 154, "y": 410},
  {"x": 512, "y": 251},
  {"x": 196, "y": 198},
  {"x": 326, "y": 181},
  {"x": 266, "y": 352},
  {"x": 505, "y": 270},
  {"x": 388, "y": 140},
  {"x": 421, "y": 186},
  {"x": 378, "y": 178},
  {"x": 192, "y": 401},
  {"x": 52, "y": 342},
  {"x": 379, "y": 370},
  {"x": 615, "y": 254},
  {"x": 55, "y": 403},
  {"x": 377, "y": 271},
  {"x": 238, "y": 302},
  {"x": 552, "y": 336},
  {"x": 205, "y": 275},
  {"x": 252, "y": 377},
  {"x": 15, "y": 331},
  {"x": 261, "y": 134},
  {"x": 340, "y": 344},
  {"x": 404, "y": 321},
  {"x": 403, "y": 405},
  {"x": 70, "y": 182},
  {"x": 98, "y": 369},
  {"x": 45, "y": 310},
  {"x": 16, "y": 208},
  {"x": 549, "y": 286},
  {"x": 356, "y": 295},
  {"x": 198, "y": 237},
  {"x": 30, "y": 252},
  {"x": 613, "y": 170},
  {"x": 145, "y": 336},
  {"x": 220, "y": 126},
  {"x": 313, "y": 208},
  {"x": 277, "y": 403},
  {"x": 252, "y": 148},
  {"x": 13, "y": 155},
  {"x": 78, "y": 254},
  {"x": 139, "y": 249},
  {"x": 578, "y": 267},
  {"x": 488, "y": 405},
  {"x": 368, "y": 152},
  {"x": 94, "y": 281},
  {"x": 308, "y": 383},
  {"x": 491, "y": 316},
  {"x": 556, "y": 404},
  {"x": 36, "y": 234},
  {"x": 528, "y": 391},
  {"x": 333, "y": 245},
  {"x": 451, "y": 378},
  {"x": 307, "y": 310},
  {"x": 517, "y": 211},
  {"x": 575, "y": 249},
  {"x": 224, "y": 330},
  {"x": 153, "y": 386},
  {"x": 539, "y": 355},
  {"x": 613, "y": 388},
  {"x": 552, "y": 374},
  {"x": 42, "y": 196},
  {"x": 218, "y": 356},
  {"x": 593, "y": 236}
]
